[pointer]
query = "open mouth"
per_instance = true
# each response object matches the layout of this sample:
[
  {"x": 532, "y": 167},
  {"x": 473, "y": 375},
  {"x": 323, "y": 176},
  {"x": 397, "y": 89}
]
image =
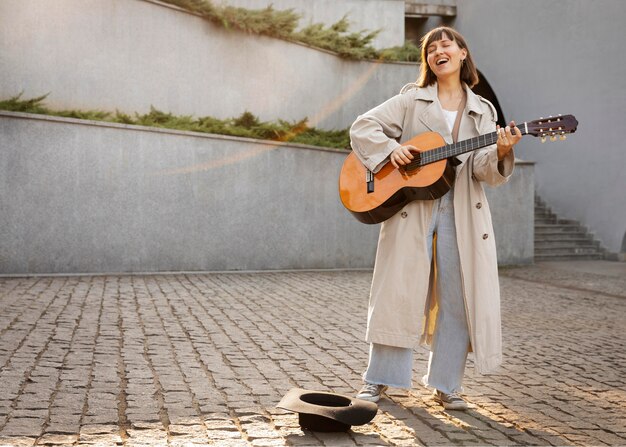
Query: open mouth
[{"x": 442, "y": 61}]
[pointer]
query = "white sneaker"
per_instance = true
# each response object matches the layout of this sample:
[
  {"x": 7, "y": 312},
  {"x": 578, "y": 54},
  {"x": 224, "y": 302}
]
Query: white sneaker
[
  {"x": 371, "y": 392},
  {"x": 450, "y": 401}
]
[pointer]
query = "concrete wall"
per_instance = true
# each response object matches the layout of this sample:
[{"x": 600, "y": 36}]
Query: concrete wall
[
  {"x": 131, "y": 54},
  {"x": 562, "y": 56},
  {"x": 79, "y": 196},
  {"x": 103, "y": 198},
  {"x": 384, "y": 15},
  {"x": 512, "y": 210}
]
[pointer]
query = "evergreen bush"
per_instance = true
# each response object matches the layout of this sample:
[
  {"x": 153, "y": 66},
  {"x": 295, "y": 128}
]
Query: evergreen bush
[
  {"x": 282, "y": 24},
  {"x": 246, "y": 125}
]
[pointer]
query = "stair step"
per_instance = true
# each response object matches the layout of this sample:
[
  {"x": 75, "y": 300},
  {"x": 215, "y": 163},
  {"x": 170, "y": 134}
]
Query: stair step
[
  {"x": 554, "y": 220},
  {"x": 565, "y": 236},
  {"x": 547, "y": 228},
  {"x": 548, "y": 258},
  {"x": 545, "y": 220},
  {"x": 567, "y": 222},
  {"x": 556, "y": 243},
  {"x": 547, "y": 247},
  {"x": 551, "y": 217},
  {"x": 544, "y": 214},
  {"x": 565, "y": 251},
  {"x": 542, "y": 209}
]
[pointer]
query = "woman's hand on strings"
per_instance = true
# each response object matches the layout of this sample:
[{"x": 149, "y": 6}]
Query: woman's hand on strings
[
  {"x": 507, "y": 139},
  {"x": 402, "y": 156}
]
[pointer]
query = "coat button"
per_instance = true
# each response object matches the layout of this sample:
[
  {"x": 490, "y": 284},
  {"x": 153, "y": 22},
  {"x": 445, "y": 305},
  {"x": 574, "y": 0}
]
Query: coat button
[
  {"x": 479, "y": 205},
  {"x": 485, "y": 236},
  {"x": 403, "y": 214}
]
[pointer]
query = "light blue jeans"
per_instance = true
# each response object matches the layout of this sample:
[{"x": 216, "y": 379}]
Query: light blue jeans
[{"x": 393, "y": 366}]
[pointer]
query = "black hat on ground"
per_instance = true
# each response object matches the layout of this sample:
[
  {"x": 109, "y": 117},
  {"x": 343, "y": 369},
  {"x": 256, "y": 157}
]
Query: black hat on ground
[{"x": 322, "y": 411}]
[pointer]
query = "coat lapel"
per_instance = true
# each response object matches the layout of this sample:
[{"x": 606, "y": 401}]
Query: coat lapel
[
  {"x": 469, "y": 127},
  {"x": 474, "y": 108},
  {"x": 432, "y": 116}
]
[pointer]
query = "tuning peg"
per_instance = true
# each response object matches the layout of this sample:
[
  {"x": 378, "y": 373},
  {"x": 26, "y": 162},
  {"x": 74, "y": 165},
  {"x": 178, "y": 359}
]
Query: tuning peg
[
  {"x": 553, "y": 138},
  {"x": 543, "y": 138},
  {"x": 562, "y": 136}
]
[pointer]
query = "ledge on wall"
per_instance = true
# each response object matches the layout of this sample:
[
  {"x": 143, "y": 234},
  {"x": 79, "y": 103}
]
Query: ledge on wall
[{"x": 421, "y": 9}]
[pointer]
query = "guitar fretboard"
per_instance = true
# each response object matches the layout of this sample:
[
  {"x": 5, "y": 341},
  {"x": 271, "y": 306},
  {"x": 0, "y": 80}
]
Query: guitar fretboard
[{"x": 458, "y": 148}]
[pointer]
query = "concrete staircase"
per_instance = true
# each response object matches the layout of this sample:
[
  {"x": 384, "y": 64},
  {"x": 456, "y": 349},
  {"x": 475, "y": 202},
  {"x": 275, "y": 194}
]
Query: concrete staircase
[{"x": 562, "y": 239}]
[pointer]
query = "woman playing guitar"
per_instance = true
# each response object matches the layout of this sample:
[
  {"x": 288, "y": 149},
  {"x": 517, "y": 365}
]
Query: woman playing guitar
[{"x": 435, "y": 278}]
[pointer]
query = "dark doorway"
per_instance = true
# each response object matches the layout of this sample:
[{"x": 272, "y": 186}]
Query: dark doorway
[{"x": 484, "y": 89}]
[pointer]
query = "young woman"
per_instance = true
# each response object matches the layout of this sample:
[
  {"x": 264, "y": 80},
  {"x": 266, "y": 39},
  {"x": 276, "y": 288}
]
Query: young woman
[{"x": 450, "y": 303}]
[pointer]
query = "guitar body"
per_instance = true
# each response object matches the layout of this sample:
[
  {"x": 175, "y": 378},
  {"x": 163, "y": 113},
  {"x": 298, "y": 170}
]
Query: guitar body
[{"x": 394, "y": 188}]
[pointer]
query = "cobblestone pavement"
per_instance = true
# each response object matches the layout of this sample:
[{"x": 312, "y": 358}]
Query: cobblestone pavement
[{"x": 202, "y": 359}]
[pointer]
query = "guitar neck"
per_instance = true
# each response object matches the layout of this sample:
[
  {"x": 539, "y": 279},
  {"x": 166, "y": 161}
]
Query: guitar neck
[{"x": 461, "y": 147}]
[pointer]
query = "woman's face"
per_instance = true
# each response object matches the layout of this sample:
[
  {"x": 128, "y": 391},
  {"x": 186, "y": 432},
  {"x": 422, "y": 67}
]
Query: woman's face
[{"x": 444, "y": 57}]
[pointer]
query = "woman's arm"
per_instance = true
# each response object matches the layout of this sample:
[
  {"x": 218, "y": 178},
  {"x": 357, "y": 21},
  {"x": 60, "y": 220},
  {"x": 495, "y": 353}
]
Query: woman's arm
[{"x": 374, "y": 134}]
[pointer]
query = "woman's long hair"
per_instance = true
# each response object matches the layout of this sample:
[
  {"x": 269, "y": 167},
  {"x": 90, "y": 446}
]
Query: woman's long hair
[{"x": 469, "y": 74}]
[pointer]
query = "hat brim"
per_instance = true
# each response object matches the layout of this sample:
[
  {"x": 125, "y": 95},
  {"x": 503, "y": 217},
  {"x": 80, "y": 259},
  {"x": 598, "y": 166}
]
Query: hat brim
[{"x": 344, "y": 409}]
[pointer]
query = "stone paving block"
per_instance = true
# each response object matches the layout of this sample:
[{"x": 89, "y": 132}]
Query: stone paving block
[
  {"x": 17, "y": 441},
  {"x": 147, "y": 437},
  {"x": 63, "y": 428},
  {"x": 260, "y": 430},
  {"x": 57, "y": 439},
  {"x": 102, "y": 418},
  {"x": 186, "y": 430},
  {"x": 269, "y": 442},
  {"x": 181, "y": 416},
  {"x": 23, "y": 427},
  {"x": 228, "y": 425},
  {"x": 220, "y": 434},
  {"x": 102, "y": 439}
]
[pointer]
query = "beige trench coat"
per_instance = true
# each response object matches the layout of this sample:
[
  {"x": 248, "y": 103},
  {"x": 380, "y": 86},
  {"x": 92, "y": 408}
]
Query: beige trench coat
[{"x": 403, "y": 302}]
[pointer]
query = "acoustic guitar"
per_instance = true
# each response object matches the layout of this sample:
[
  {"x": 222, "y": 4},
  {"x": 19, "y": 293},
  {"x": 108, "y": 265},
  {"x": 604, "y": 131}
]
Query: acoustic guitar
[{"x": 374, "y": 198}]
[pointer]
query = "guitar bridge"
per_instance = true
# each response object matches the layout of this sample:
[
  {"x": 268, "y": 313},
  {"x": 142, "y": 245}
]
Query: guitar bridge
[{"x": 369, "y": 181}]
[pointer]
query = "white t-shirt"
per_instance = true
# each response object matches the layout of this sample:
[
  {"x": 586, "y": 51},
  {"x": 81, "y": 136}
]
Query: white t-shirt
[{"x": 450, "y": 117}]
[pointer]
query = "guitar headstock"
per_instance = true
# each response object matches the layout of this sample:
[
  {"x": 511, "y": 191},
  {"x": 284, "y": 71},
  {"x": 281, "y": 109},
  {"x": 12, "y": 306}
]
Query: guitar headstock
[{"x": 552, "y": 127}]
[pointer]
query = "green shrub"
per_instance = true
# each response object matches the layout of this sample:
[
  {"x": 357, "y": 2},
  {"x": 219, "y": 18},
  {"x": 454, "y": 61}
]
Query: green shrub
[
  {"x": 266, "y": 21},
  {"x": 409, "y": 52},
  {"x": 33, "y": 105},
  {"x": 282, "y": 24},
  {"x": 246, "y": 125},
  {"x": 337, "y": 39}
]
